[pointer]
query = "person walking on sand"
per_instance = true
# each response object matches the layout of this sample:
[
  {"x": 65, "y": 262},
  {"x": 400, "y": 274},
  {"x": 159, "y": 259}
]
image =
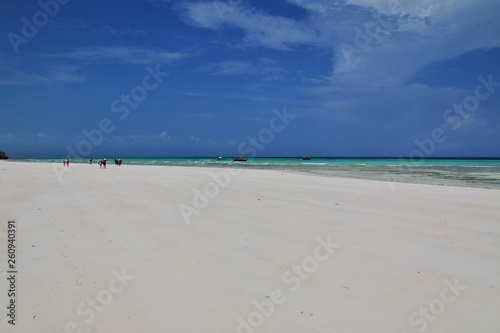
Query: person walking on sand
[
  {"x": 67, "y": 162},
  {"x": 100, "y": 163},
  {"x": 90, "y": 161},
  {"x": 104, "y": 163},
  {"x": 64, "y": 162}
]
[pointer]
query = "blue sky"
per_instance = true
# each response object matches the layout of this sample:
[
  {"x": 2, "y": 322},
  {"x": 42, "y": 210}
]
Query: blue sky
[{"x": 361, "y": 77}]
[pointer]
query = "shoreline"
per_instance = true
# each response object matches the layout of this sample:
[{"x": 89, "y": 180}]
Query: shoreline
[{"x": 391, "y": 178}]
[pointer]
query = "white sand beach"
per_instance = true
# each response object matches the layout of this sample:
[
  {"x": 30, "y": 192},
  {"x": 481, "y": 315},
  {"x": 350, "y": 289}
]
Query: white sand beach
[{"x": 268, "y": 251}]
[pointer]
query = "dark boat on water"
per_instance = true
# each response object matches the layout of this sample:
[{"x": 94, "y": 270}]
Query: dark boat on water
[
  {"x": 221, "y": 158},
  {"x": 240, "y": 159},
  {"x": 306, "y": 158}
]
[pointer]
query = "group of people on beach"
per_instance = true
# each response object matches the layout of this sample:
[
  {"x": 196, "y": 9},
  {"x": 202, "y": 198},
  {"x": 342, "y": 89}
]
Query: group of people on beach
[{"x": 102, "y": 162}]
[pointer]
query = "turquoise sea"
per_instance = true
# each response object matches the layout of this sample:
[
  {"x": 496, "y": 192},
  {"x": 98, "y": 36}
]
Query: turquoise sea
[{"x": 484, "y": 173}]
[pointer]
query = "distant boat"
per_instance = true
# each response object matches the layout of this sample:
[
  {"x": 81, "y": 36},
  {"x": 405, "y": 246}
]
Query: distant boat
[
  {"x": 240, "y": 159},
  {"x": 221, "y": 158},
  {"x": 306, "y": 158}
]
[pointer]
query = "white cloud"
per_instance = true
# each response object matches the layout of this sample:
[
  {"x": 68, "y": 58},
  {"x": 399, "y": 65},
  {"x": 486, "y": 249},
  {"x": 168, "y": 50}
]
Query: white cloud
[
  {"x": 162, "y": 137},
  {"x": 55, "y": 74},
  {"x": 383, "y": 42},
  {"x": 473, "y": 123},
  {"x": 235, "y": 67},
  {"x": 122, "y": 54},
  {"x": 202, "y": 14},
  {"x": 260, "y": 28},
  {"x": 14, "y": 77},
  {"x": 14, "y": 82},
  {"x": 123, "y": 31},
  {"x": 27, "y": 137},
  {"x": 66, "y": 73}
]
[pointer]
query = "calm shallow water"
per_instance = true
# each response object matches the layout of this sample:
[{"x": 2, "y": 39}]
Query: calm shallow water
[{"x": 484, "y": 173}]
